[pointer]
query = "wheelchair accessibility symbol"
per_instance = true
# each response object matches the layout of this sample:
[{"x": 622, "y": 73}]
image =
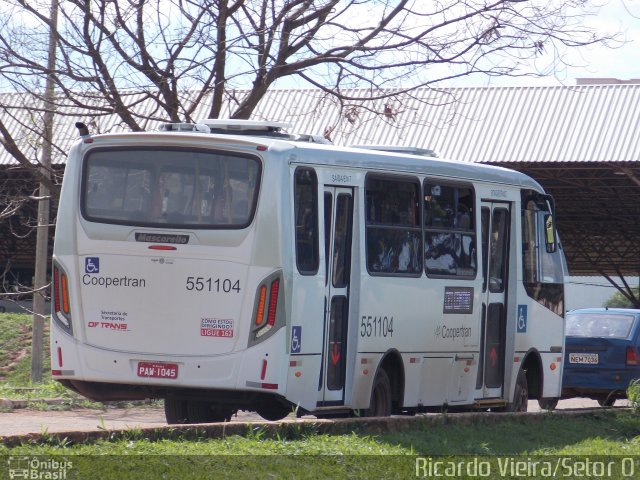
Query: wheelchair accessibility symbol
[
  {"x": 522, "y": 318},
  {"x": 296, "y": 339},
  {"x": 92, "y": 265}
]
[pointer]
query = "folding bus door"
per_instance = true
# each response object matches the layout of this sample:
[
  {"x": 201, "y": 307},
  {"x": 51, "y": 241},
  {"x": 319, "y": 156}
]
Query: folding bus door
[
  {"x": 495, "y": 259},
  {"x": 338, "y": 213}
]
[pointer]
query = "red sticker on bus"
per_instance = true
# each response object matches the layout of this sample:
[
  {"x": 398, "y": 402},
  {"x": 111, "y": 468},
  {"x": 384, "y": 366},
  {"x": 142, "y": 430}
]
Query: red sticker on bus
[{"x": 216, "y": 327}]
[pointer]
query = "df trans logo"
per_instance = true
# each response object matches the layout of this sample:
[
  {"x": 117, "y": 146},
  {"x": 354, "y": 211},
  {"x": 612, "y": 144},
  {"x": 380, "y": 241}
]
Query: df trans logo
[
  {"x": 92, "y": 265},
  {"x": 39, "y": 468}
]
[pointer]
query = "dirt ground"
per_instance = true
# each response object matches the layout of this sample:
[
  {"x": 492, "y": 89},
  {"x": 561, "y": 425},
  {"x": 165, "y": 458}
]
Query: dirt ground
[{"x": 24, "y": 421}]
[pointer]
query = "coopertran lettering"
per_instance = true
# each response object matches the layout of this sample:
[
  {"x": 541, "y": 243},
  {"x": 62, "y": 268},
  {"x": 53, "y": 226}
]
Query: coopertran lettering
[{"x": 106, "y": 282}]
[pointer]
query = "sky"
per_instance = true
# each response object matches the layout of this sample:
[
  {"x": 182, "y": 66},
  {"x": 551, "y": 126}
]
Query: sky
[{"x": 622, "y": 62}]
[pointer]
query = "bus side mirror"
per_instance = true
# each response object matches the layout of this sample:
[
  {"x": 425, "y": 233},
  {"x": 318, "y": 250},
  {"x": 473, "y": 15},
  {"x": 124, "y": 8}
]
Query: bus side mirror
[{"x": 550, "y": 234}]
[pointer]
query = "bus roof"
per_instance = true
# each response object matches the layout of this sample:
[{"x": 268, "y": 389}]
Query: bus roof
[{"x": 327, "y": 154}]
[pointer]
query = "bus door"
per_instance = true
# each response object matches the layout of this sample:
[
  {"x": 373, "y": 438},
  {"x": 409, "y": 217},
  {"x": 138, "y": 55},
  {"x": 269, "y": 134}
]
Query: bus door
[
  {"x": 338, "y": 223},
  {"x": 495, "y": 261}
]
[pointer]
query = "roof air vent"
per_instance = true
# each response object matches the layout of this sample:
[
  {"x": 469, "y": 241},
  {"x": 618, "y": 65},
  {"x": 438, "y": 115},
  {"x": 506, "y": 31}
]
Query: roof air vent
[
  {"x": 233, "y": 126},
  {"x": 184, "y": 127}
]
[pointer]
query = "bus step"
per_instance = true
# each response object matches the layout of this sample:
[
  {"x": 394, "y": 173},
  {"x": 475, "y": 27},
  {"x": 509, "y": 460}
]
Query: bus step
[{"x": 489, "y": 402}]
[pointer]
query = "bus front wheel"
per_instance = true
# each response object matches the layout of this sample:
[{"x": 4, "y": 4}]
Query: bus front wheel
[
  {"x": 380, "y": 405},
  {"x": 548, "y": 403},
  {"x": 521, "y": 394}
]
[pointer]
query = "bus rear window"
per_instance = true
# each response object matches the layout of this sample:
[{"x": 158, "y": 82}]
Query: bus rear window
[{"x": 170, "y": 187}]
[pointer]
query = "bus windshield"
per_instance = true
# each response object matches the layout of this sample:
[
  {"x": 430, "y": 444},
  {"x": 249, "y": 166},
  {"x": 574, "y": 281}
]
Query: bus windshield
[{"x": 183, "y": 188}]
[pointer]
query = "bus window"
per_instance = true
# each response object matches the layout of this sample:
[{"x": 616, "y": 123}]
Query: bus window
[
  {"x": 393, "y": 225},
  {"x": 485, "y": 215},
  {"x": 306, "y": 215},
  {"x": 450, "y": 236},
  {"x": 499, "y": 250},
  {"x": 342, "y": 242},
  {"x": 543, "y": 271},
  {"x": 169, "y": 187},
  {"x": 328, "y": 209}
]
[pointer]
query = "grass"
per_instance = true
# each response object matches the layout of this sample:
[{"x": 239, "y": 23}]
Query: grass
[
  {"x": 606, "y": 432},
  {"x": 15, "y": 370},
  {"x": 15, "y": 364},
  {"x": 612, "y": 434},
  {"x": 304, "y": 452},
  {"x": 15, "y": 350}
]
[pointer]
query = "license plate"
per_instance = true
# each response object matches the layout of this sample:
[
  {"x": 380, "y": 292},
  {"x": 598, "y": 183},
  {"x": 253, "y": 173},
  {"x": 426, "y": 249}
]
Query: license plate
[
  {"x": 157, "y": 370},
  {"x": 587, "y": 358}
]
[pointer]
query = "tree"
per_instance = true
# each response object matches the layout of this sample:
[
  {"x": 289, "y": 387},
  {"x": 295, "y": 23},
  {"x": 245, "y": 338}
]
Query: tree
[
  {"x": 624, "y": 298},
  {"x": 150, "y": 60},
  {"x": 114, "y": 55}
]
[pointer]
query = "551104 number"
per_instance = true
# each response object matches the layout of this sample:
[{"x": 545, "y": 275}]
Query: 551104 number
[
  {"x": 373, "y": 326},
  {"x": 202, "y": 284}
]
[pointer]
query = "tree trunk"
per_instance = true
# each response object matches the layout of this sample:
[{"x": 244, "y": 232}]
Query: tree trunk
[{"x": 42, "y": 238}]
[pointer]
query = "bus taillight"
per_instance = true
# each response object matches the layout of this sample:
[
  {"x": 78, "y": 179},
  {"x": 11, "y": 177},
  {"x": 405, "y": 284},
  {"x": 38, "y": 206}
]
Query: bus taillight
[
  {"x": 261, "y": 301},
  {"x": 61, "y": 304},
  {"x": 65, "y": 294},
  {"x": 273, "y": 302},
  {"x": 266, "y": 314},
  {"x": 56, "y": 289}
]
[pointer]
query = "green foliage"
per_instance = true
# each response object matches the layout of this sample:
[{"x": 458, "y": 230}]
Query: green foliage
[
  {"x": 15, "y": 371},
  {"x": 633, "y": 394},
  {"x": 14, "y": 336},
  {"x": 617, "y": 300},
  {"x": 265, "y": 453},
  {"x": 15, "y": 350},
  {"x": 610, "y": 432}
]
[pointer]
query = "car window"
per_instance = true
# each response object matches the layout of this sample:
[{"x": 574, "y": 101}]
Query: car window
[{"x": 604, "y": 325}]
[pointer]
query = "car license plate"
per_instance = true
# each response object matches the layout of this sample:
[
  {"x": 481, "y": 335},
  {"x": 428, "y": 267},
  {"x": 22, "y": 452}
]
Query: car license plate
[
  {"x": 157, "y": 370},
  {"x": 588, "y": 358}
]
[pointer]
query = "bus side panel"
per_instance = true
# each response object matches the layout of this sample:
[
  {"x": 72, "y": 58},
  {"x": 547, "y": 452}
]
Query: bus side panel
[{"x": 306, "y": 337}]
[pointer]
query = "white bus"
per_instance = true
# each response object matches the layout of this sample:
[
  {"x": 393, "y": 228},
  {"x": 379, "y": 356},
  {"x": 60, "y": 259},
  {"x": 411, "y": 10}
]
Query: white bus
[{"x": 231, "y": 266}]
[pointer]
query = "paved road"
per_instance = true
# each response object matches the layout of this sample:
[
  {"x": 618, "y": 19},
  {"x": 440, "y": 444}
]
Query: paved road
[{"x": 24, "y": 421}]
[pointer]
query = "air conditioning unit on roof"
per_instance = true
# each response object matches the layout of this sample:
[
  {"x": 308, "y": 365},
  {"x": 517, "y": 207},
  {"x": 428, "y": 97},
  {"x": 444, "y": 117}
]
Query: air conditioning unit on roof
[{"x": 241, "y": 125}]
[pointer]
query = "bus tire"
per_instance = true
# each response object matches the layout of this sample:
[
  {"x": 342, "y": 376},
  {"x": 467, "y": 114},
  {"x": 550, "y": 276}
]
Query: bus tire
[
  {"x": 380, "y": 405},
  {"x": 548, "y": 403},
  {"x": 219, "y": 413},
  {"x": 200, "y": 411},
  {"x": 521, "y": 394},
  {"x": 273, "y": 412},
  {"x": 175, "y": 411}
]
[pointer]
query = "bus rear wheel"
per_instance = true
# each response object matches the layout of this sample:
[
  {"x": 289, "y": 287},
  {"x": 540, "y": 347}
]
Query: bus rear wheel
[
  {"x": 380, "y": 405},
  {"x": 180, "y": 411},
  {"x": 175, "y": 411},
  {"x": 273, "y": 412}
]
